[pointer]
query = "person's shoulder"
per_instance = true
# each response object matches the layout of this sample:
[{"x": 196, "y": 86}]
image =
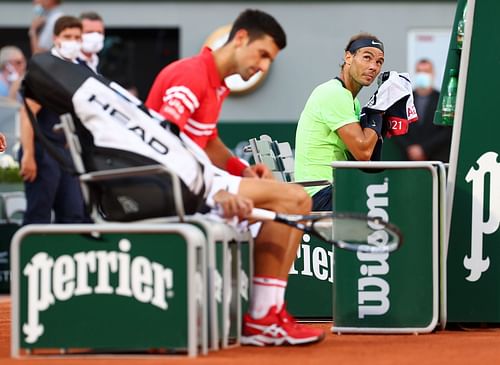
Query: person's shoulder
[
  {"x": 331, "y": 89},
  {"x": 189, "y": 67},
  {"x": 330, "y": 86},
  {"x": 186, "y": 72}
]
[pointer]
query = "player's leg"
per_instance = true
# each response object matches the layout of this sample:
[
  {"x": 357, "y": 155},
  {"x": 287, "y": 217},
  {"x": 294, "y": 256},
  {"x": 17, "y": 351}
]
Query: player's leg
[
  {"x": 268, "y": 322},
  {"x": 276, "y": 244}
]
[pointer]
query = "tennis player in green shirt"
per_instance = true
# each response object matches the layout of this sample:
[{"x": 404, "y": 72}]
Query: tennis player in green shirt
[{"x": 329, "y": 128}]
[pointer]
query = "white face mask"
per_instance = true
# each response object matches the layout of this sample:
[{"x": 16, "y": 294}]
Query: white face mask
[
  {"x": 12, "y": 73},
  {"x": 422, "y": 80},
  {"x": 92, "y": 42},
  {"x": 70, "y": 49}
]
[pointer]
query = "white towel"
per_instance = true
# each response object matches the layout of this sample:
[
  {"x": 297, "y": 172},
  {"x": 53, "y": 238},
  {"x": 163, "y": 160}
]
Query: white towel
[{"x": 393, "y": 86}]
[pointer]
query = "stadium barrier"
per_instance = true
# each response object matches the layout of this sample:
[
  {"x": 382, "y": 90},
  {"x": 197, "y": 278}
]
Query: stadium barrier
[{"x": 114, "y": 288}]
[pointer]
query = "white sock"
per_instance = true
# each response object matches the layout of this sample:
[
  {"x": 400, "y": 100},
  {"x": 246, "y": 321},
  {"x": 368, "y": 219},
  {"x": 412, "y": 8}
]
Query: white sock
[
  {"x": 264, "y": 294},
  {"x": 280, "y": 294}
]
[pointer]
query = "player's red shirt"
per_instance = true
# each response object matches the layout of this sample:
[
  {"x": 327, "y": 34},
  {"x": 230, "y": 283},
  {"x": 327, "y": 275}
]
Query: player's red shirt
[{"x": 190, "y": 93}]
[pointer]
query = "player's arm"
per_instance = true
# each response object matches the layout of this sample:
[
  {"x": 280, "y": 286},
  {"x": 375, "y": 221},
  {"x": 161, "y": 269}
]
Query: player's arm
[
  {"x": 218, "y": 152},
  {"x": 33, "y": 34},
  {"x": 224, "y": 159},
  {"x": 28, "y": 168},
  {"x": 176, "y": 96},
  {"x": 359, "y": 141}
]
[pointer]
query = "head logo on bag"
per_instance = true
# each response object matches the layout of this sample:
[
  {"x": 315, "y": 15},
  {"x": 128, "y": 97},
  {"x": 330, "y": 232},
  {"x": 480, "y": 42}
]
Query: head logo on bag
[{"x": 116, "y": 130}]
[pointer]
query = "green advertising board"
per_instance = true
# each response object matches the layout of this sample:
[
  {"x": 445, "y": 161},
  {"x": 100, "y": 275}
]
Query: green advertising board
[
  {"x": 397, "y": 292},
  {"x": 116, "y": 287},
  {"x": 309, "y": 289},
  {"x": 474, "y": 174}
]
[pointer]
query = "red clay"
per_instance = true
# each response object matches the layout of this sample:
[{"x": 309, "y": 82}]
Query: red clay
[{"x": 440, "y": 348}]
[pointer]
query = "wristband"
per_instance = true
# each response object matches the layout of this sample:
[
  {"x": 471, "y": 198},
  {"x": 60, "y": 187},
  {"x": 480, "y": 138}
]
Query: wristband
[
  {"x": 373, "y": 120},
  {"x": 235, "y": 166}
]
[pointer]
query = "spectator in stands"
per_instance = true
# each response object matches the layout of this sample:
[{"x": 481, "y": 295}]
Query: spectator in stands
[
  {"x": 425, "y": 140},
  {"x": 190, "y": 93},
  {"x": 12, "y": 69},
  {"x": 42, "y": 27},
  {"x": 47, "y": 185},
  {"x": 92, "y": 39}
]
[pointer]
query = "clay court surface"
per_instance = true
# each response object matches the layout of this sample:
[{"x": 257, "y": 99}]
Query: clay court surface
[{"x": 479, "y": 346}]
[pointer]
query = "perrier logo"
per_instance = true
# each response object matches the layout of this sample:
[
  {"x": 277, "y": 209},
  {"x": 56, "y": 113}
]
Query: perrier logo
[{"x": 60, "y": 279}]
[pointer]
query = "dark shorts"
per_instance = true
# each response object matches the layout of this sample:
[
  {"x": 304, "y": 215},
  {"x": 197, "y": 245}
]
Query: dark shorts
[{"x": 322, "y": 200}]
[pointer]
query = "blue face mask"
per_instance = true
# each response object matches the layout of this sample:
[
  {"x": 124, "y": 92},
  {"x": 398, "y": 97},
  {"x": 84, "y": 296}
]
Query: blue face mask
[
  {"x": 422, "y": 80},
  {"x": 38, "y": 10}
]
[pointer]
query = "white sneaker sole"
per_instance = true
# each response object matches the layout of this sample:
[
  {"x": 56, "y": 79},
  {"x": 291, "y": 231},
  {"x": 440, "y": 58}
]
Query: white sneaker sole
[{"x": 261, "y": 340}]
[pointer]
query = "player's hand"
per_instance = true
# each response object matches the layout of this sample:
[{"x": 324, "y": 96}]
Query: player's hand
[
  {"x": 258, "y": 171},
  {"x": 28, "y": 168},
  {"x": 3, "y": 142},
  {"x": 415, "y": 152},
  {"x": 233, "y": 205}
]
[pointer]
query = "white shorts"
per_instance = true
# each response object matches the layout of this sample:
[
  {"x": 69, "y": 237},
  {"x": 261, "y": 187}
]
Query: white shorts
[{"x": 223, "y": 180}]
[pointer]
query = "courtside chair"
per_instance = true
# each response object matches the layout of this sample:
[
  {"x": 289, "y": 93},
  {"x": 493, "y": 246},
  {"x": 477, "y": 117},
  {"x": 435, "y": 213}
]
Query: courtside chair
[
  {"x": 13, "y": 206},
  {"x": 278, "y": 157}
]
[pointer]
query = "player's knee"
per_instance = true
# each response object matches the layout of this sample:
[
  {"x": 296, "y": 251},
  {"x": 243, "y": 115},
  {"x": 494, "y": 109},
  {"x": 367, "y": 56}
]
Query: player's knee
[{"x": 301, "y": 202}]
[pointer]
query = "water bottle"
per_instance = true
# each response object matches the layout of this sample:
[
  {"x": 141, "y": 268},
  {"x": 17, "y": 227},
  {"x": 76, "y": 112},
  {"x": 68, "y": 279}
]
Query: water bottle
[
  {"x": 461, "y": 28},
  {"x": 448, "y": 106}
]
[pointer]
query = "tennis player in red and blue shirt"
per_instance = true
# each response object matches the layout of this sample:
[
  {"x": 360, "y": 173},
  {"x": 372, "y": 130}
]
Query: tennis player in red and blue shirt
[{"x": 190, "y": 93}]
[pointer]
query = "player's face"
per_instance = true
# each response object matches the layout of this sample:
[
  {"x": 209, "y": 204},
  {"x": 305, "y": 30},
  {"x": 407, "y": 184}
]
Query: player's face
[
  {"x": 365, "y": 65},
  {"x": 255, "y": 55}
]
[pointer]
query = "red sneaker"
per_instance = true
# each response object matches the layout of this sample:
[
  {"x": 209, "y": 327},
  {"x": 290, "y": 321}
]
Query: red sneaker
[{"x": 278, "y": 328}]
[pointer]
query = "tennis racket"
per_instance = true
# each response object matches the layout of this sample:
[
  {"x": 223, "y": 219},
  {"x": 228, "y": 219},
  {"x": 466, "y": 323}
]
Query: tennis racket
[{"x": 349, "y": 231}]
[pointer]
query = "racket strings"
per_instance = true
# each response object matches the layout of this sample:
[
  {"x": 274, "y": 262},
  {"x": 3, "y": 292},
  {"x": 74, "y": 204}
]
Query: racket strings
[{"x": 356, "y": 231}]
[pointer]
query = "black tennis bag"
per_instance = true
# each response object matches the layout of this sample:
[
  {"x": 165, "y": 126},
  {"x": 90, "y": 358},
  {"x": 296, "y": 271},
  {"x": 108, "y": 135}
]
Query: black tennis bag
[{"x": 115, "y": 130}]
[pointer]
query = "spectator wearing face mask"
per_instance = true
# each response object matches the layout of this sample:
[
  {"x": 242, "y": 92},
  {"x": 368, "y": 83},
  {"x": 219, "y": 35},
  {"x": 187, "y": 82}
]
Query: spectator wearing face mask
[
  {"x": 92, "y": 39},
  {"x": 49, "y": 187},
  {"x": 46, "y": 14},
  {"x": 425, "y": 140},
  {"x": 12, "y": 68}
]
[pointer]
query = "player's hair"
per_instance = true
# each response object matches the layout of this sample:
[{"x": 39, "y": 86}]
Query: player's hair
[
  {"x": 354, "y": 38},
  {"x": 90, "y": 15},
  {"x": 258, "y": 23},
  {"x": 362, "y": 35},
  {"x": 66, "y": 22}
]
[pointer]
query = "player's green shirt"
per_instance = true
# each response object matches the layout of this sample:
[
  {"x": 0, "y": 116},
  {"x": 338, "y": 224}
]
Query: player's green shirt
[{"x": 317, "y": 143}]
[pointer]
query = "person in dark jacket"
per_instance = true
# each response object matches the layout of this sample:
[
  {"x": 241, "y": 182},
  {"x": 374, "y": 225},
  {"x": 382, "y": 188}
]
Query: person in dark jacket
[{"x": 425, "y": 140}]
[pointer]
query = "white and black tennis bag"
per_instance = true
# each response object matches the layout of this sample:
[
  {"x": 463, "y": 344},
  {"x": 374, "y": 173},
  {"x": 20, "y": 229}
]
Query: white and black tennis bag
[{"x": 116, "y": 130}]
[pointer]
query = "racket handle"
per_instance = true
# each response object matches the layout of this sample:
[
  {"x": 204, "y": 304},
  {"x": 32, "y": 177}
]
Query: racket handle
[{"x": 262, "y": 214}]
